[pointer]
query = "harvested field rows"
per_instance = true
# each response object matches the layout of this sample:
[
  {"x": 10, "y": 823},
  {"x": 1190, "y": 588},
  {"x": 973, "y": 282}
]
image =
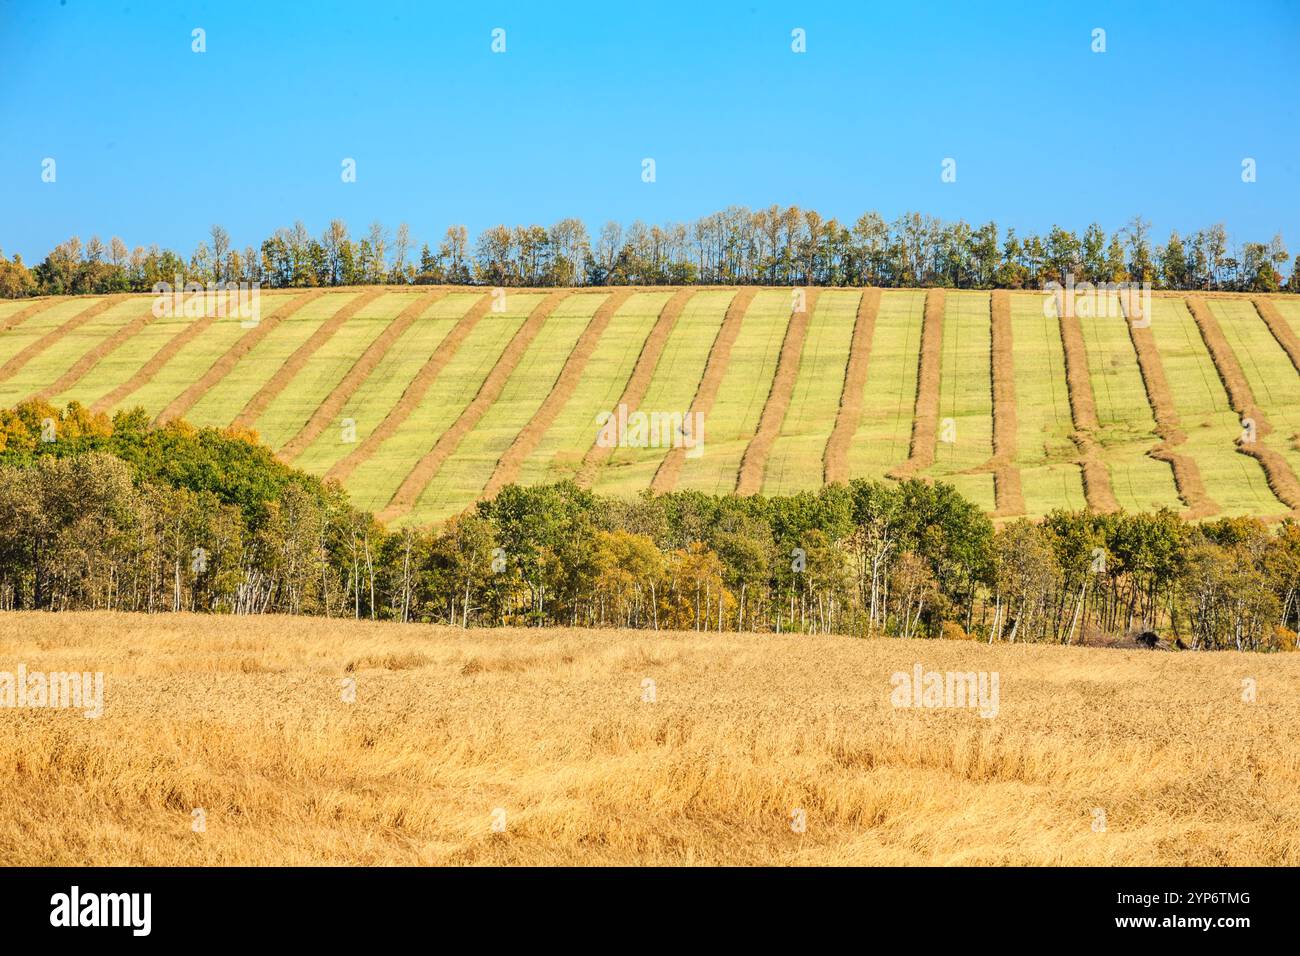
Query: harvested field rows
[
  {"x": 1045, "y": 453},
  {"x": 753, "y": 465},
  {"x": 469, "y": 466},
  {"x": 706, "y": 393},
  {"x": 673, "y": 385},
  {"x": 634, "y": 336},
  {"x": 741, "y": 396},
  {"x": 884, "y": 431},
  {"x": 1235, "y": 482},
  {"x": 965, "y": 406},
  {"x": 424, "y": 400},
  {"x": 1252, "y": 439},
  {"x": 814, "y": 402},
  {"x": 835, "y": 461}
]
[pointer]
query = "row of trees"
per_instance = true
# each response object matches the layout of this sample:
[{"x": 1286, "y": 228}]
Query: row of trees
[
  {"x": 119, "y": 514},
  {"x": 772, "y": 246}
]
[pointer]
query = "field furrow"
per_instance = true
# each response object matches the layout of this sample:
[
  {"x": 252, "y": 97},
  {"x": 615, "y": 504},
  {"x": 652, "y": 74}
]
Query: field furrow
[
  {"x": 376, "y": 479},
  {"x": 925, "y": 416},
  {"x": 1188, "y": 483},
  {"x": 1125, "y": 434},
  {"x": 706, "y": 392},
  {"x": 1256, "y": 426},
  {"x": 59, "y": 389},
  {"x": 1261, "y": 349},
  {"x": 1280, "y": 329},
  {"x": 1236, "y": 482},
  {"x": 15, "y": 313},
  {"x": 570, "y": 377},
  {"x": 304, "y": 382},
  {"x": 815, "y": 398},
  {"x": 636, "y": 330},
  {"x": 49, "y": 326},
  {"x": 255, "y": 407},
  {"x": 423, "y": 400},
  {"x": 884, "y": 430},
  {"x": 738, "y": 404},
  {"x": 1049, "y": 475},
  {"x": 1097, "y": 489},
  {"x": 415, "y": 392},
  {"x": 753, "y": 465},
  {"x": 59, "y": 354},
  {"x": 468, "y": 468},
  {"x": 1009, "y": 496},
  {"x": 965, "y": 406},
  {"x": 216, "y": 363},
  {"x": 672, "y": 387},
  {"x": 327, "y": 411},
  {"x": 368, "y": 406},
  {"x": 424, "y": 470},
  {"x": 835, "y": 459},
  {"x": 123, "y": 372}
]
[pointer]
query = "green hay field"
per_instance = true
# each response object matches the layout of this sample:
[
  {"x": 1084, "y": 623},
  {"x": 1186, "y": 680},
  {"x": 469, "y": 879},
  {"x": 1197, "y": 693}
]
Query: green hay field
[{"x": 96, "y": 350}]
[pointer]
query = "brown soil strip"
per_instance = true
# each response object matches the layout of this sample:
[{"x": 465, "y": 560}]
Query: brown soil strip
[
  {"x": 358, "y": 373},
  {"x": 1097, "y": 488},
  {"x": 753, "y": 465},
  {"x": 1187, "y": 474},
  {"x": 835, "y": 460},
  {"x": 185, "y": 401},
  {"x": 1281, "y": 330},
  {"x": 638, "y": 381},
  {"x": 706, "y": 390},
  {"x": 507, "y": 469},
  {"x": 925, "y": 415},
  {"x": 414, "y": 392},
  {"x": 1281, "y": 479},
  {"x": 54, "y": 335},
  {"x": 92, "y": 357},
  {"x": 426, "y": 468},
  {"x": 22, "y": 315},
  {"x": 1007, "y": 493},
  {"x": 294, "y": 364}
]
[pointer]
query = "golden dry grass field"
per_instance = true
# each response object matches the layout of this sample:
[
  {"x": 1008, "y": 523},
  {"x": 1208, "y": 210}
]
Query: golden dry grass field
[{"x": 548, "y": 734}]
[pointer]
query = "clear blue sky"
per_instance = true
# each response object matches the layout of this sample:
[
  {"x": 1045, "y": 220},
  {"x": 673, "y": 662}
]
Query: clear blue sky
[{"x": 154, "y": 143}]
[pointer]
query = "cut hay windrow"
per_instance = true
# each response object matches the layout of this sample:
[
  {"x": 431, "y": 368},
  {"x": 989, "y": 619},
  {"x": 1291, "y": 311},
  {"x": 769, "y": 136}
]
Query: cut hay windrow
[
  {"x": 150, "y": 368},
  {"x": 424, "y": 470},
  {"x": 92, "y": 357},
  {"x": 1097, "y": 487},
  {"x": 1007, "y": 491},
  {"x": 1187, "y": 474},
  {"x": 414, "y": 392},
  {"x": 16, "y": 362},
  {"x": 22, "y": 315},
  {"x": 358, "y": 373},
  {"x": 706, "y": 392},
  {"x": 753, "y": 465},
  {"x": 1281, "y": 479},
  {"x": 639, "y": 380},
  {"x": 1280, "y": 329},
  {"x": 507, "y": 469},
  {"x": 835, "y": 460},
  {"x": 218, "y": 370},
  {"x": 277, "y": 383},
  {"x": 925, "y": 417}
]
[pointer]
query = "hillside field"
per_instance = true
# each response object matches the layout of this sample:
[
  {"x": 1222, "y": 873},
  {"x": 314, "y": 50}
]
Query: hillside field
[
  {"x": 231, "y": 740},
  {"x": 420, "y": 400}
]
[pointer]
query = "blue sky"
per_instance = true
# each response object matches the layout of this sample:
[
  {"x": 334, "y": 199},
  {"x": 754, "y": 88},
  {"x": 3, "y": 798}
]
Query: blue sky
[{"x": 154, "y": 142}]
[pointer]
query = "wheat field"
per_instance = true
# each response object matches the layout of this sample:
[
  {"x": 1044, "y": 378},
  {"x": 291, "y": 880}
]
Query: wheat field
[{"x": 229, "y": 741}]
